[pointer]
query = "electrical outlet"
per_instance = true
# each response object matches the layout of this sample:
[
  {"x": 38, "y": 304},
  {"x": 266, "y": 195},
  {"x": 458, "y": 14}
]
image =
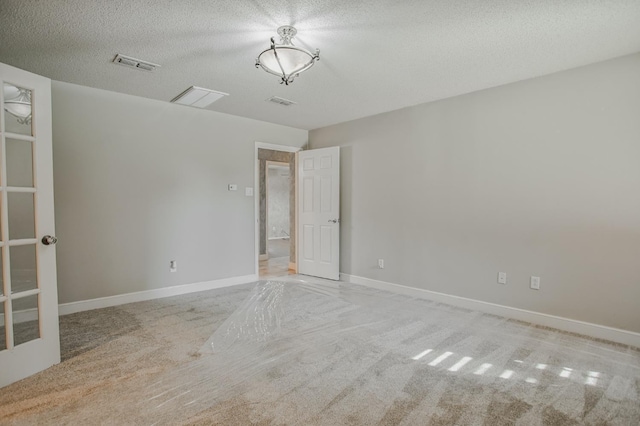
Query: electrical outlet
[
  {"x": 535, "y": 283},
  {"x": 502, "y": 277},
  {"x": 173, "y": 266},
  {"x": 381, "y": 263}
]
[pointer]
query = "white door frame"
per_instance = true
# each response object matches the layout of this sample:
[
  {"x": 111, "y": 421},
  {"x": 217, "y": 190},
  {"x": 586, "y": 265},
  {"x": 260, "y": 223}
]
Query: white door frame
[{"x": 256, "y": 194}]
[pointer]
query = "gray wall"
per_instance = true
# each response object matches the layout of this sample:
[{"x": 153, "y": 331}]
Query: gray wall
[
  {"x": 540, "y": 177},
  {"x": 140, "y": 182}
]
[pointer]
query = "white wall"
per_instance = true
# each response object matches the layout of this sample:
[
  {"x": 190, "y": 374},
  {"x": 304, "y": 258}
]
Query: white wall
[
  {"x": 540, "y": 177},
  {"x": 140, "y": 182}
]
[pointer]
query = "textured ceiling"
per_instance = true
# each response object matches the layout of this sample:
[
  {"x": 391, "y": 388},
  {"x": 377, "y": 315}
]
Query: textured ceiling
[{"x": 376, "y": 56}]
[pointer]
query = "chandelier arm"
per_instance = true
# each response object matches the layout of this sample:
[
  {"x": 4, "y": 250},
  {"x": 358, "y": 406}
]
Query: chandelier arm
[
  {"x": 284, "y": 74},
  {"x": 270, "y": 71},
  {"x": 309, "y": 64},
  {"x": 302, "y": 69},
  {"x": 26, "y": 120}
]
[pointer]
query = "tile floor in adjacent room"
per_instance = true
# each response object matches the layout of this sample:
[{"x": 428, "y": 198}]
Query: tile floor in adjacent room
[
  {"x": 278, "y": 262},
  {"x": 305, "y": 351}
]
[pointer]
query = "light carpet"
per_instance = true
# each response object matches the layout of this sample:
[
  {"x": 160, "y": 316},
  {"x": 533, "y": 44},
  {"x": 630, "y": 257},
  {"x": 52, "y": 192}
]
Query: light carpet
[{"x": 312, "y": 352}]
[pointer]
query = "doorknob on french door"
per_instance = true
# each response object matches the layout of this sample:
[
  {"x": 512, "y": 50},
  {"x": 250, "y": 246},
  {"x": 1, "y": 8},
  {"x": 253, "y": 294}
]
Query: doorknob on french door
[
  {"x": 48, "y": 240},
  {"x": 334, "y": 220}
]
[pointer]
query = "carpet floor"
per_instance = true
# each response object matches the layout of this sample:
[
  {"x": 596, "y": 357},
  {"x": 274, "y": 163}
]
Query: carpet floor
[{"x": 295, "y": 351}]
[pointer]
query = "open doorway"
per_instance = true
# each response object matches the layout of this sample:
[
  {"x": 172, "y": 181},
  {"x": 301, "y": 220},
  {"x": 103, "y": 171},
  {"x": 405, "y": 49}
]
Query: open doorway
[
  {"x": 275, "y": 210},
  {"x": 278, "y": 185}
]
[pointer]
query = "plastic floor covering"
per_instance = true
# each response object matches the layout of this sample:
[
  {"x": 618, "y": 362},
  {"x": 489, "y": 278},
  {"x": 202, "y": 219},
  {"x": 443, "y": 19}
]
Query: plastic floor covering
[
  {"x": 301, "y": 352},
  {"x": 310, "y": 352}
]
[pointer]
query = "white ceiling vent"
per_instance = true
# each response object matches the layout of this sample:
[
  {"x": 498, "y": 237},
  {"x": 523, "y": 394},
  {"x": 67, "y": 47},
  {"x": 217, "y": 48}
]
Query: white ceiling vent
[
  {"x": 198, "y": 97},
  {"x": 127, "y": 61},
  {"x": 280, "y": 101}
]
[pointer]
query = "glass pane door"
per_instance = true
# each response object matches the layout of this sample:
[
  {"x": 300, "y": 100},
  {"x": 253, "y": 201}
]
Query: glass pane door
[
  {"x": 18, "y": 219},
  {"x": 29, "y": 340}
]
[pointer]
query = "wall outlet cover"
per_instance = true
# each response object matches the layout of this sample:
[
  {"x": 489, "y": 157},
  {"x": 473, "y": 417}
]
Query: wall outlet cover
[{"x": 535, "y": 283}]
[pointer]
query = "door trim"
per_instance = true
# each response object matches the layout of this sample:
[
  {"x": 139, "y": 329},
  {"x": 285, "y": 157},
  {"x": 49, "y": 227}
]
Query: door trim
[{"x": 256, "y": 195}]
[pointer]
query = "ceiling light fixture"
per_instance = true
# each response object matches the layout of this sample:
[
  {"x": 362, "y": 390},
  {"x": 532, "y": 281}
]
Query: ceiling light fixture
[
  {"x": 18, "y": 104},
  {"x": 286, "y": 60}
]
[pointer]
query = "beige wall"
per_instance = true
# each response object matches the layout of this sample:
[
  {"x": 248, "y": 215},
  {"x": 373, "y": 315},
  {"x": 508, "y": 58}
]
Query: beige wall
[
  {"x": 140, "y": 182},
  {"x": 540, "y": 177}
]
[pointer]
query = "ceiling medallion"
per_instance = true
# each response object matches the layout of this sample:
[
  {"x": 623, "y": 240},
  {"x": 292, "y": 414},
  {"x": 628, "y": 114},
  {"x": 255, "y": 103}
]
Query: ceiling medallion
[{"x": 286, "y": 60}]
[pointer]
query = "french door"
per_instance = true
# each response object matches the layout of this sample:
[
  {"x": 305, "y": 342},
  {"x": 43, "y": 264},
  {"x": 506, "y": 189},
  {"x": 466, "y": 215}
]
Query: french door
[
  {"x": 29, "y": 338},
  {"x": 319, "y": 213}
]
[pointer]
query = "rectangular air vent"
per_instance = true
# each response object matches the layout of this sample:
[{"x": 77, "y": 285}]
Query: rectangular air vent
[
  {"x": 127, "y": 61},
  {"x": 280, "y": 101},
  {"x": 198, "y": 97}
]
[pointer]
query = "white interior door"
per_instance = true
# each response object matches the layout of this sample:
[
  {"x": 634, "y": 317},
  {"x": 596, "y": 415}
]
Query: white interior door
[
  {"x": 29, "y": 340},
  {"x": 319, "y": 213}
]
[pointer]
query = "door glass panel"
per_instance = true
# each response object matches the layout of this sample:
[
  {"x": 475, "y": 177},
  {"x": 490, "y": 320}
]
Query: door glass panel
[
  {"x": 19, "y": 163},
  {"x": 3, "y": 332},
  {"x": 26, "y": 325},
  {"x": 23, "y": 268},
  {"x": 17, "y": 109},
  {"x": 21, "y": 215}
]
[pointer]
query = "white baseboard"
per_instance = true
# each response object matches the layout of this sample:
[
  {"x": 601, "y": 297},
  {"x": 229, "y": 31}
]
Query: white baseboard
[
  {"x": 22, "y": 316},
  {"x": 574, "y": 326},
  {"x": 139, "y": 296}
]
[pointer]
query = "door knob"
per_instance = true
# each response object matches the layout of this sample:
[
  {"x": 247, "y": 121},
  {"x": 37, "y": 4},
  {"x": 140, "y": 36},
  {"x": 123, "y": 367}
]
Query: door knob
[{"x": 48, "y": 240}]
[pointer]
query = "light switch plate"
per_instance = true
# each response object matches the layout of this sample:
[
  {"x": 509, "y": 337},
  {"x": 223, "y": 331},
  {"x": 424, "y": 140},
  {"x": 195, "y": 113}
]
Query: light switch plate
[{"x": 248, "y": 192}]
